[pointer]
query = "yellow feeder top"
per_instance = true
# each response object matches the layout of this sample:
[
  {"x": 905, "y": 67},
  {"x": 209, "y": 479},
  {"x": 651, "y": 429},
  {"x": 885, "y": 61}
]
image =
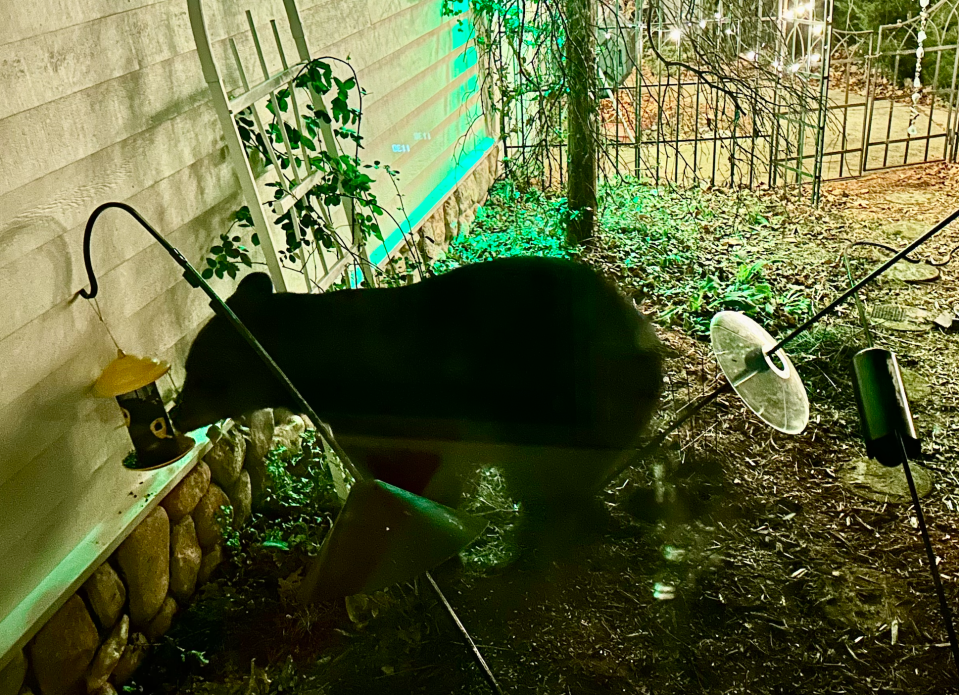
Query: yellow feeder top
[{"x": 128, "y": 373}]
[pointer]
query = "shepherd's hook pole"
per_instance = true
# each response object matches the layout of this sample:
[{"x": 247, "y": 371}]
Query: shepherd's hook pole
[{"x": 221, "y": 308}]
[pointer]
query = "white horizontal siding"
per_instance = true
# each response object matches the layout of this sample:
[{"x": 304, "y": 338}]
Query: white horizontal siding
[{"x": 105, "y": 100}]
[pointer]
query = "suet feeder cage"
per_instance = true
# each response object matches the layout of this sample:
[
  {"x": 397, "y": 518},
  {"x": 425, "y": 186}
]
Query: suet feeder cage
[{"x": 132, "y": 381}]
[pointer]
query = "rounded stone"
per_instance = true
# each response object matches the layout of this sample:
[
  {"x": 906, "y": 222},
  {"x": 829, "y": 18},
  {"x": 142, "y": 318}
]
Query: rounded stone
[
  {"x": 241, "y": 497},
  {"x": 481, "y": 177},
  {"x": 464, "y": 194},
  {"x": 185, "y": 556},
  {"x": 184, "y": 497},
  {"x": 108, "y": 656},
  {"x": 289, "y": 436},
  {"x": 133, "y": 655},
  {"x": 208, "y": 517},
  {"x": 896, "y": 317},
  {"x": 918, "y": 389},
  {"x": 451, "y": 214},
  {"x": 64, "y": 647},
  {"x": 905, "y": 229},
  {"x": 225, "y": 459},
  {"x": 162, "y": 620},
  {"x": 436, "y": 228},
  {"x": 106, "y": 595},
  {"x": 12, "y": 675},
  {"x": 144, "y": 559},
  {"x": 913, "y": 272},
  {"x": 494, "y": 168},
  {"x": 211, "y": 560},
  {"x": 282, "y": 416},
  {"x": 260, "y": 425}
]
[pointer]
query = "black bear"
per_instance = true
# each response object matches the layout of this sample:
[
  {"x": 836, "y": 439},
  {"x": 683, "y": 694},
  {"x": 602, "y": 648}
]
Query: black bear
[{"x": 536, "y": 365}]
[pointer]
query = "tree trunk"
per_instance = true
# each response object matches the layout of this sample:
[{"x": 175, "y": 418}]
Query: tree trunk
[{"x": 583, "y": 108}]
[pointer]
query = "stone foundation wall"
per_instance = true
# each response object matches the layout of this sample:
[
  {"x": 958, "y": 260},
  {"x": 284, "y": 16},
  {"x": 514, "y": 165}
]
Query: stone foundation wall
[
  {"x": 456, "y": 214},
  {"x": 102, "y": 634}
]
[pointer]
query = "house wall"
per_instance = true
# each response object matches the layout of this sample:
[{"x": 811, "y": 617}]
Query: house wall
[{"x": 105, "y": 100}]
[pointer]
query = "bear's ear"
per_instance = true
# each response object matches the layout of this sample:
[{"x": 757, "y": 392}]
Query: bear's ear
[{"x": 251, "y": 290}]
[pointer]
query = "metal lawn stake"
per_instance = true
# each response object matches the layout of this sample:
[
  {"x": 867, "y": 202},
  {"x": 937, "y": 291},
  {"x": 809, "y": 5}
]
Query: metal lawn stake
[
  {"x": 762, "y": 375},
  {"x": 390, "y": 534}
]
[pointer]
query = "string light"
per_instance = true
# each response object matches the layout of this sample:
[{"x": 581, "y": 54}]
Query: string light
[
  {"x": 916, "y": 82},
  {"x": 789, "y": 15},
  {"x": 702, "y": 23},
  {"x": 794, "y": 67},
  {"x": 817, "y": 29},
  {"x": 814, "y": 58},
  {"x": 751, "y": 56},
  {"x": 676, "y": 34}
]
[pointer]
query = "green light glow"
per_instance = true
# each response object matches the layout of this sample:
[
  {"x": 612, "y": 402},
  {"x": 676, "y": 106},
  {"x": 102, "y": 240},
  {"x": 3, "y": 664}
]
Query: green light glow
[
  {"x": 460, "y": 33},
  {"x": 420, "y": 212},
  {"x": 464, "y": 61}
]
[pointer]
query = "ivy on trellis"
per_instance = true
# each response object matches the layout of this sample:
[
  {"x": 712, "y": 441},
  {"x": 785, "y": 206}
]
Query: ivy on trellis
[{"x": 341, "y": 176}]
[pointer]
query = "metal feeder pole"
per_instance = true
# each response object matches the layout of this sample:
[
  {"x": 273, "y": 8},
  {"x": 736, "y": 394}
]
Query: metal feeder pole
[
  {"x": 866, "y": 280},
  {"x": 930, "y": 555},
  {"x": 221, "y": 308},
  {"x": 884, "y": 410}
]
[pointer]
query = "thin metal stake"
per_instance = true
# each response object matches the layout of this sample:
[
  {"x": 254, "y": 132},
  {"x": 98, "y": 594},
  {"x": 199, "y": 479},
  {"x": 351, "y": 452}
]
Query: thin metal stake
[
  {"x": 862, "y": 311},
  {"x": 474, "y": 650},
  {"x": 686, "y": 412},
  {"x": 933, "y": 567}
]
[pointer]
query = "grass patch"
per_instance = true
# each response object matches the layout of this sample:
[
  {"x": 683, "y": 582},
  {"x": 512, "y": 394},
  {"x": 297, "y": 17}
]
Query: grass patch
[
  {"x": 497, "y": 547},
  {"x": 252, "y": 604},
  {"x": 685, "y": 254}
]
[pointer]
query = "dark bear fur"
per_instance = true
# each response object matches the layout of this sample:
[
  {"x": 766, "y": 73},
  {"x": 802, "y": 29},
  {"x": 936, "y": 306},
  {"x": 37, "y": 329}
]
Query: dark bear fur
[{"x": 535, "y": 364}]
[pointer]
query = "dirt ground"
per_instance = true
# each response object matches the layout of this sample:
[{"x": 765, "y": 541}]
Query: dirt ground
[{"x": 738, "y": 560}]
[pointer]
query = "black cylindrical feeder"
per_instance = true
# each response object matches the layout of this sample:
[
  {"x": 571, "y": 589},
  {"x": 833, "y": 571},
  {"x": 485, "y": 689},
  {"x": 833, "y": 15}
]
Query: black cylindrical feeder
[
  {"x": 883, "y": 407},
  {"x": 132, "y": 381}
]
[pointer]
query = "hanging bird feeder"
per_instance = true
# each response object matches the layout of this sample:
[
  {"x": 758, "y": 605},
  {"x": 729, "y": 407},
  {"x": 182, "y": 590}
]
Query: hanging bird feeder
[
  {"x": 384, "y": 534},
  {"x": 132, "y": 381}
]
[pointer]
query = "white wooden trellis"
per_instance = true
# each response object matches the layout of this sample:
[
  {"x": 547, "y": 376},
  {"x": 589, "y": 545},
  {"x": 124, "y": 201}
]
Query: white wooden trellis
[{"x": 302, "y": 177}]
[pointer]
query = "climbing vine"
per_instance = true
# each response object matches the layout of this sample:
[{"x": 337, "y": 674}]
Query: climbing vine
[
  {"x": 737, "y": 55},
  {"x": 521, "y": 50},
  {"x": 342, "y": 178}
]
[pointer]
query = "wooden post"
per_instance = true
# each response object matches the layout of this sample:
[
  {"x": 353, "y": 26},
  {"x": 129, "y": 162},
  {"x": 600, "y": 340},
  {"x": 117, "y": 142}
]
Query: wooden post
[{"x": 583, "y": 109}]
